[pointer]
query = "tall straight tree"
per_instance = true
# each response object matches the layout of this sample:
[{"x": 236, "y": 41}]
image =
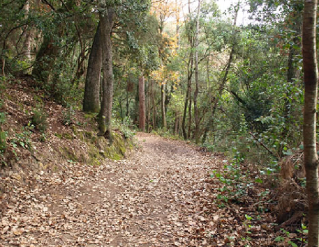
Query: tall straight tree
[
  {"x": 141, "y": 96},
  {"x": 309, "y": 52},
  {"x": 105, "y": 115},
  {"x": 91, "y": 102},
  {"x": 196, "y": 113},
  {"x": 188, "y": 98}
]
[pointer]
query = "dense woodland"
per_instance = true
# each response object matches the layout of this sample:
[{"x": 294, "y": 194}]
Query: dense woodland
[{"x": 180, "y": 69}]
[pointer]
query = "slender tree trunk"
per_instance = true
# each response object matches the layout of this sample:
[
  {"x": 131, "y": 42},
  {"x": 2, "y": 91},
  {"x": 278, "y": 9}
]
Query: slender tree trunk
[
  {"x": 188, "y": 94},
  {"x": 141, "y": 103},
  {"x": 309, "y": 127},
  {"x": 196, "y": 111},
  {"x": 105, "y": 115},
  {"x": 177, "y": 12},
  {"x": 219, "y": 93},
  {"x": 91, "y": 102},
  {"x": 187, "y": 104},
  {"x": 189, "y": 131},
  {"x": 154, "y": 105},
  {"x": 210, "y": 123},
  {"x": 184, "y": 116},
  {"x": 163, "y": 99},
  {"x": 176, "y": 125},
  {"x": 148, "y": 105}
]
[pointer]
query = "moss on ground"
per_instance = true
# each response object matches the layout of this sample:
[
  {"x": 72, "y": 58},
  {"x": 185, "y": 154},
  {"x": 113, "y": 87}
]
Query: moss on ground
[{"x": 97, "y": 148}]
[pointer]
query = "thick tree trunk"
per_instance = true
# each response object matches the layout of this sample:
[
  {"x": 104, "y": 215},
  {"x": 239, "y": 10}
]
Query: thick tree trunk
[
  {"x": 45, "y": 59},
  {"x": 141, "y": 103},
  {"x": 27, "y": 34},
  {"x": 105, "y": 115},
  {"x": 91, "y": 102},
  {"x": 309, "y": 127}
]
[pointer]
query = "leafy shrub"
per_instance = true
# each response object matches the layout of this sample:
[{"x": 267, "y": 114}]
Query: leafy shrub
[
  {"x": 39, "y": 120},
  {"x": 125, "y": 126},
  {"x": 22, "y": 139},
  {"x": 3, "y": 141},
  {"x": 68, "y": 116}
]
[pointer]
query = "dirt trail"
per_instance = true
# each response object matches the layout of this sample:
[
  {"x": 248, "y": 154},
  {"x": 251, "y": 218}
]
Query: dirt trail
[{"x": 153, "y": 198}]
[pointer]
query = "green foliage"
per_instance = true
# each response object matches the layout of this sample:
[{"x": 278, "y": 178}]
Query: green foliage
[
  {"x": 125, "y": 127},
  {"x": 22, "y": 139},
  {"x": 39, "y": 119},
  {"x": 3, "y": 141},
  {"x": 3, "y": 134},
  {"x": 290, "y": 239},
  {"x": 235, "y": 181},
  {"x": 68, "y": 116}
]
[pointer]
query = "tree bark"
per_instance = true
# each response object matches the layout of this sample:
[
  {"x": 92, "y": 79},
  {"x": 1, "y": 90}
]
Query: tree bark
[
  {"x": 91, "y": 102},
  {"x": 188, "y": 93},
  {"x": 27, "y": 34},
  {"x": 187, "y": 104},
  {"x": 105, "y": 115},
  {"x": 141, "y": 103},
  {"x": 163, "y": 99},
  {"x": 189, "y": 115},
  {"x": 45, "y": 59},
  {"x": 196, "y": 111},
  {"x": 154, "y": 106},
  {"x": 309, "y": 126}
]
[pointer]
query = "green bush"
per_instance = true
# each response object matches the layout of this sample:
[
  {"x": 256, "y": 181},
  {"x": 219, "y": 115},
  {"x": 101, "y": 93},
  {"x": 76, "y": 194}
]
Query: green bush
[
  {"x": 68, "y": 116},
  {"x": 124, "y": 126},
  {"x": 39, "y": 120},
  {"x": 3, "y": 141}
]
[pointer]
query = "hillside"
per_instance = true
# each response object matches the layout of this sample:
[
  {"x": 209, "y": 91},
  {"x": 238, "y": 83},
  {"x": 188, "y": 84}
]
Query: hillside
[{"x": 39, "y": 134}]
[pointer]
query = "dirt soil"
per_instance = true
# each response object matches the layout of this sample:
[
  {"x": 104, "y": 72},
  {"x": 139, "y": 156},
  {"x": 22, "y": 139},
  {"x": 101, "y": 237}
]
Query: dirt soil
[{"x": 153, "y": 198}]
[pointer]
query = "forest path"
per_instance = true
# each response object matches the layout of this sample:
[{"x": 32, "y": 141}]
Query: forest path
[{"x": 156, "y": 197}]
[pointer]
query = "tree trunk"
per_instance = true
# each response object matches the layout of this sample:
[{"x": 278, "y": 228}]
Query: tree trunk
[
  {"x": 91, "y": 102},
  {"x": 196, "y": 111},
  {"x": 163, "y": 99},
  {"x": 105, "y": 115},
  {"x": 27, "y": 34},
  {"x": 148, "y": 105},
  {"x": 45, "y": 59},
  {"x": 309, "y": 126},
  {"x": 189, "y": 116},
  {"x": 188, "y": 94},
  {"x": 154, "y": 106},
  {"x": 141, "y": 103},
  {"x": 177, "y": 123},
  {"x": 187, "y": 104},
  {"x": 222, "y": 84}
]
